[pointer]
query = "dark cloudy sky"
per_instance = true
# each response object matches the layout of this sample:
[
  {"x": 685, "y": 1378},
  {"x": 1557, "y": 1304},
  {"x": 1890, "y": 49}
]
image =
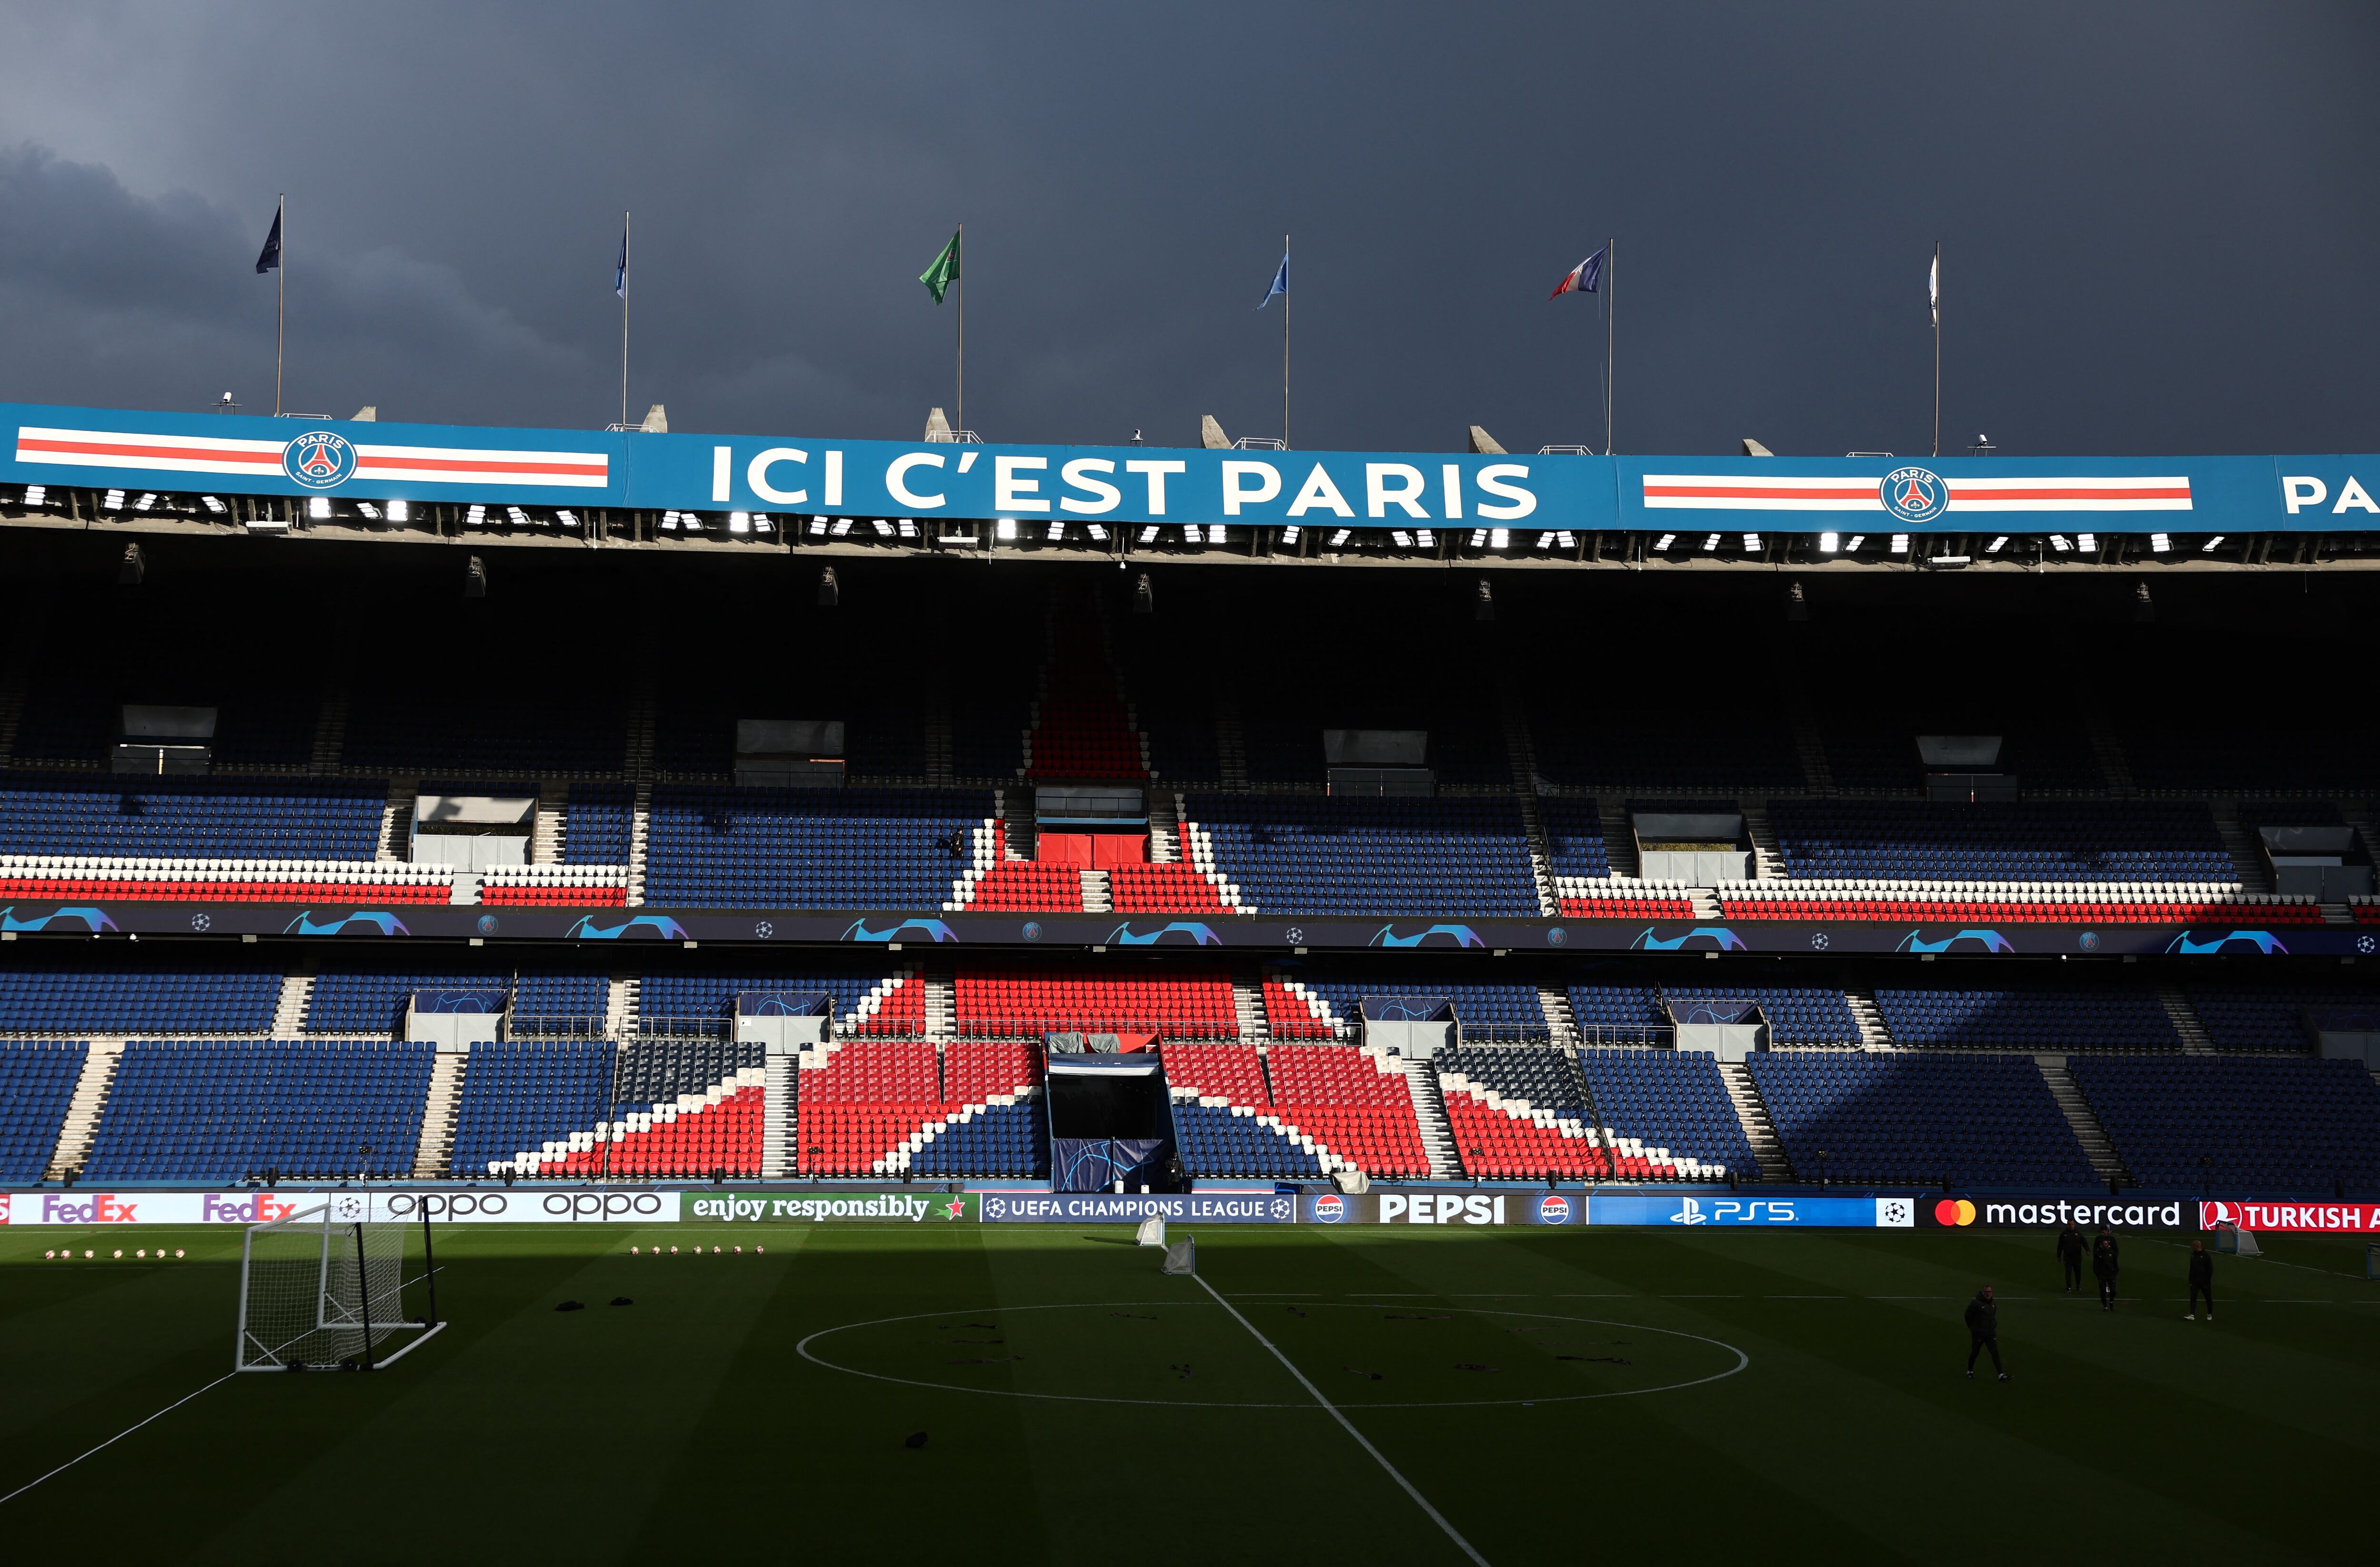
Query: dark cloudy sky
[{"x": 2160, "y": 220}]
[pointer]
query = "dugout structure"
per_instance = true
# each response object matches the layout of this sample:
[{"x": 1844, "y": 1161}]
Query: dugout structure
[{"x": 322, "y": 1293}]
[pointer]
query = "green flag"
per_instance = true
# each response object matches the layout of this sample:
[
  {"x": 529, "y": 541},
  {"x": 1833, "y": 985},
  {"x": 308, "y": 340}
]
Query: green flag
[{"x": 939, "y": 277}]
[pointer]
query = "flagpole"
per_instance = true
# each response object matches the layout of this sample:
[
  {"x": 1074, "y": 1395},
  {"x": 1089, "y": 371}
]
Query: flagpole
[
  {"x": 962, "y": 259},
  {"x": 624, "y": 218},
  {"x": 1284, "y": 350},
  {"x": 281, "y": 309},
  {"x": 1610, "y": 324},
  {"x": 1937, "y": 347}
]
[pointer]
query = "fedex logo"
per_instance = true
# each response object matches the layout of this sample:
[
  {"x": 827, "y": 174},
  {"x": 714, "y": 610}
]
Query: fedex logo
[
  {"x": 258, "y": 1210},
  {"x": 103, "y": 1207}
]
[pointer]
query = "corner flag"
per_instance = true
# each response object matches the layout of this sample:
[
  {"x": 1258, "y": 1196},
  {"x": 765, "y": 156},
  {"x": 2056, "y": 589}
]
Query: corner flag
[
  {"x": 1584, "y": 278},
  {"x": 939, "y": 277}
]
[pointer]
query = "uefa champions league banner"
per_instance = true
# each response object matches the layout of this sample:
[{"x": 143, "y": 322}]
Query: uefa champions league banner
[
  {"x": 1114, "y": 1207},
  {"x": 472, "y": 1205},
  {"x": 1139, "y": 485}
]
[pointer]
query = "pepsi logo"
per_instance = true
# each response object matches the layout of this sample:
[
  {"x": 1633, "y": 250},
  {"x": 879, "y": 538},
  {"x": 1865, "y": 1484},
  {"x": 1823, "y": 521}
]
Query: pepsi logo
[
  {"x": 1553, "y": 1209},
  {"x": 1330, "y": 1208}
]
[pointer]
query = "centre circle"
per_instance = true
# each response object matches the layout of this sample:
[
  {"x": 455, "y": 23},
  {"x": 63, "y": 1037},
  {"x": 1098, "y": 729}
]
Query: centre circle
[{"x": 1192, "y": 1353}]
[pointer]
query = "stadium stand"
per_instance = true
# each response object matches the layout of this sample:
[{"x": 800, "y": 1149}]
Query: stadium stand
[
  {"x": 2270, "y": 1019},
  {"x": 2072, "y": 1019},
  {"x": 866, "y": 1000},
  {"x": 1520, "y": 1112},
  {"x": 229, "y": 1110},
  {"x": 374, "y": 1001},
  {"x": 1619, "y": 1014},
  {"x": 2228, "y": 1125},
  {"x": 1796, "y": 1015},
  {"x": 722, "y": 848},
  {"x": 1164, "y": 889},
  {"x": 880, "y": 1107},
  {"x": 36, "y": 1082},
  {"x": 2018, "y": 841},
  {"x": 1487, "y": 1012},
  {"x": 1450, "y": 858},
  {"x": 1223, "y": 1119},
  {"x": 597, "y": 823},
  {"x": 566, "y": 727},
  {"x": 519, "y": 1097},
  {"x": 99, "y": 999},
  {"x": 1574, "y": 840},
  {"x": 113, "y": 817},
  {"x": 1981, "y": 1121},
  {"x": 2015, "y": 903},
  {"x": 1351, "y": 1101},
  {"x": 1024, "y": 1000},
  {"x": 1673, "y": 1102}
]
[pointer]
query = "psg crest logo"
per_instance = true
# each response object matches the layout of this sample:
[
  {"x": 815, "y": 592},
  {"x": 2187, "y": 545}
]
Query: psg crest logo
[
  {"x": 319, "y": 460},
  {"x": 1914, "y": 494}
]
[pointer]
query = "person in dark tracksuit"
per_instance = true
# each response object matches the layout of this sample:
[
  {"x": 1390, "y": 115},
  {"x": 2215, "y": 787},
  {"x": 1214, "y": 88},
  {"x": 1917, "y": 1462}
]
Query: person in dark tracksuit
[
  {"x": 2202, "y": 1278},
  {"x": 1984, "y": 1331},
  {"x": 2104, "y": 1261},
  {"x": 2071, "y": 1249}
]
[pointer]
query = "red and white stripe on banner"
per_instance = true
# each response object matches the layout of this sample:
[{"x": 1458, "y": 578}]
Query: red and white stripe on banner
[
  {"x": 1697, "y": 491},
  {"x": 226, "y": 455},
  {"x": 2327, "y": 1218}
]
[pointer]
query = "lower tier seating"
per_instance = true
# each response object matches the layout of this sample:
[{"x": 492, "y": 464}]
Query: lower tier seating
[
  {"x": 103, "y": 999},
  {"x": 1978, "y": 1120},
  {"x": 1673, "y": 1100},
  {"x": 2029, "y": 1020},
  {"x": 1224, "y": 1123},
  {"x": 866, "y": 999},
  {"x": 2013, "y": 841},
  {"x": 1520, "y": 1112},
  {"x": 1353, "y": 1103},
  {"x": 1621, "y": 900},
  {"x": 880, "y": 1107},
  {"x": 37, "y": 1080},
  {"x": 2275, "y": 1019},
  {"x": 2222, "y": 1127},
  {"x": 519, "y": 1096},
  {"x": 1508, "y": 1011},
  {"x": 222, "y": 1111}
]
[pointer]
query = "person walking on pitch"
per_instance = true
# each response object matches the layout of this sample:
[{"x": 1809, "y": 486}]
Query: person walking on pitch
[
  {"x": 1984, "y": 1331},
  {"x": 2104, "y": 1263},
  {"x": 2202, "y": 1278},
  {"x": 2072, "y": 1247}
]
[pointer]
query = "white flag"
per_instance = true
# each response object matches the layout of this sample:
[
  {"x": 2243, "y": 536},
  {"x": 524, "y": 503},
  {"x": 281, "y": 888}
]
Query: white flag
[{"x": 1933, "y": 287}]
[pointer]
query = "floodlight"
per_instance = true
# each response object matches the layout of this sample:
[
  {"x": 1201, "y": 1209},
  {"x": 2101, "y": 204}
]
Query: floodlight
[
  {"x": 1215, "y": 534},
  {"x": 1425, "y": 538},
  {"x": 370, "y": 512},
  {"x": 1994, "y": 546},
  {"x": 2087, "y": 541},
  {"x": 842, "y": 527},
  {"x": 1710, "y": 543},
  {"x": 1664, "y": 541},
  {"x": 1149, "y": 534},
  {"x": 475, "y": 578},
  {"x": 1478, "y": 537},
  {"x": 319, "y": 507},
  {"x": 1190, "y": 533},
  {"x": 1482, "y": 601},
  {"x": 1005, "y": 528},
  {"x": 2208, "y": 547},
  {"x": 1339, "y": 536},
  {"x": 115, "y": 501},
  {"x": 1796, "y": 606},
  {"x": 1751, "y": 540},
  {"x": 739, "y": 522},
  {"x": 2057, "y": 543},
  {"x": 1143, "y": 600},
  {"x": 2144, "y": 607},
  {"x": 1901, "y": 543},
  {"x": 35, "y": 494},
  {"x": 1857, "y": 540},
  {"x": 1404, "y": 540},
  {"x": 1830, "y": 543},
  {"x": 829, "y": 591},
  {"x": 144, "y": 503},
  {"x": 907, "y": 527},
  {"x": 570, "y": 518},
  {"x": 1099, "y": 534},
  {"x": 133, "y": 567},
  {"x": 516, "y": 516},
  {"x": 884, "y": 529},
  {"x": 478, "y": 517},
  {"x": 1499, "y": 538},
  {"x": 399, "y": 511},
  {"x": 1057, "y": 532},
  {"x": 2160, "y": 544},
  {"x": 818, "y": 527}
]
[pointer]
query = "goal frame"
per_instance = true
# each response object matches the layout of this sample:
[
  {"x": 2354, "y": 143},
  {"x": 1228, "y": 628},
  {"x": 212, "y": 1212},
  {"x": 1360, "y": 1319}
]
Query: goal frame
[{"x": 317, "y": 1222}]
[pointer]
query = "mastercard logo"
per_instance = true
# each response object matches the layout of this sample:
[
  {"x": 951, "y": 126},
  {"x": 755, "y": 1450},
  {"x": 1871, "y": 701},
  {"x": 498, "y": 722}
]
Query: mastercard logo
[{"x": 1952, "y": 1212}]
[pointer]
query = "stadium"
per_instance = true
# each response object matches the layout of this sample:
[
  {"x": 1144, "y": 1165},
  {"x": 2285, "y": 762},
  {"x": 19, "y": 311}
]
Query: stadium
[{"x": 823, "y": 899}]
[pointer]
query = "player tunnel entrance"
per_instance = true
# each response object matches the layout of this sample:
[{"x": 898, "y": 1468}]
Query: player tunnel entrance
[{"x": 1110, "y": 1121}]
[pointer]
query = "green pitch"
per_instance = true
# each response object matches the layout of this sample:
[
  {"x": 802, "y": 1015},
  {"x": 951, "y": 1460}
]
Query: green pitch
[{"x": 1556, "y": 1396}]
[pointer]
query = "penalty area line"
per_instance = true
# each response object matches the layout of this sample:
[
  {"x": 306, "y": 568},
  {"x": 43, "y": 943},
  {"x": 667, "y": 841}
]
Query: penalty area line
[
  {"x": 119, "y": 1435},
  {"x": 1348, "y": 1426}
]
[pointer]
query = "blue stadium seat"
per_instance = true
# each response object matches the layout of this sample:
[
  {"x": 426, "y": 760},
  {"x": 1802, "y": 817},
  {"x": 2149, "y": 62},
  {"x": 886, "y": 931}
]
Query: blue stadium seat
[
  {"x": 36, "y": 1082},
  {"x": 226, "y": 1111},
  {"x": 1421, "y": 858},
  {"x": 1977, "y": 1121},
  {"x": 713, "y": 846},
  {"x": 2264, "y": 1128}
]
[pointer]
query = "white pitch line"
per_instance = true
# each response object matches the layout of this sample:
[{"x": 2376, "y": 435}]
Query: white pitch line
[
  {"x": 119, "y": 1435},
  {"x": 1348, "y": 1426}
]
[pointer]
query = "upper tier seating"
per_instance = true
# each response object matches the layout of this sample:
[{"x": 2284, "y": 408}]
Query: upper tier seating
[
  {"x": 865, "y": 997},
  {"x": 518, "y": 1096},
  {"x": 2269, "y": 1128},
  {"x": 988, "y": 738},
  {"x": 2017, "y": 841},
  {"x": 720, "y": 847},
  {"x": 95, "y": 999},
  {"x": 2029, "y": 1020},
  {"x": 1977, "y": 1121},
  {"x": 2271, "y": 1018},
  {"x": 1619, "y": 1015},
  {"x": 1293, "y": 1012},
  {"x": 1027, "y": 885},
  {"x": 565, "y": 727},
  {"x": 1353, "y": 1103},
  {"x": 1582, "y": 899},
  {"x": 1672, "y": 1101},
  {"x": 222, "y": 1111},
  {"x": 597, "y": 824},
  {"x": 2040, "y": 904},
  {"x": 1023, "y": 1000},
  {"x": 1574, "y": 836},
  {"x": 1450, "y": 858},
  {"x": 1796, "y": 1015},
  {"x": 116, "y": 816},
  {"x": 374, "y": 1001},
  {"x": 36, "y": 1083},
  {"x": 1487, "y": 1011},
  {"x": 1081, "y": 728},
  {"x": 1162, "y": 889}
]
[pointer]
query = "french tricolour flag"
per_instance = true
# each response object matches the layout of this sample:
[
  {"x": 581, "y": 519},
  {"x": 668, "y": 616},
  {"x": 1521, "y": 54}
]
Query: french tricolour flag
[{"x": 1585, "y": 278}]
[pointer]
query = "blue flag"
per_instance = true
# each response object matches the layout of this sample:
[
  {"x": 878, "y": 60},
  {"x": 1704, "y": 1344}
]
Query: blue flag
[
  {"x": 620, "y": 272},
  {"x": 268, "y": 259},
  {"x": 1280, "y": 283}
]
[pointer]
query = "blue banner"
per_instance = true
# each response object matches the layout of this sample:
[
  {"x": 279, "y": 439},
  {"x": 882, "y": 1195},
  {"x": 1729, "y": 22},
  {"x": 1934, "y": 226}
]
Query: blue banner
[
  {"x": 1084, "y": 486},
  {"x": 1806, "y": 1212},
  {"x": 1109, "y": 1207}
]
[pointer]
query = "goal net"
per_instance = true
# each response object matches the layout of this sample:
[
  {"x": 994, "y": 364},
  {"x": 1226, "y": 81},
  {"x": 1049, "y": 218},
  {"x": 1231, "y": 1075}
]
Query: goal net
[{"x": 320, "y": 1293}]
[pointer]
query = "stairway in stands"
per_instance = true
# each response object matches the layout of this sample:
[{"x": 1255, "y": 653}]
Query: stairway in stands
[
  {"x": 82, "y": 1110},
  {"x": 436, "y": 1149},
  {"x": 1873, "y": 1035},
  {"x": 289, "y": 1012},
  {"x": 1429, "y": 1113},
  {"x": 1768, "y": 1148},
  {"x": 2098, "y": 1147},
  {"x": 2195, "y": 1040}
]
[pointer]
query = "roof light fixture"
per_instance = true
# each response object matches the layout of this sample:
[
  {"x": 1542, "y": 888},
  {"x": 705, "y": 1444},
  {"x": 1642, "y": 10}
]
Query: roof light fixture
[
  {"x": 1664, "y": 541},
  {"x": 568, "y": 518},
  {"x": 2208, "y": 547},
  {"x": 1479, "y": 538},
  {"x": 1499, "y": 538},
  {"x": 36, "y": 494},
  {"x": 113, "y": 501},
  {"x": 2160, "y": 544},
  {"x": 1710, "y": 545},
  {"x": 884, "y": 529},
  {"x": 144, "y": 503},
  {"x": 1751, "y": 541},
  {"x": 1857, "y": 540},
  {"x": 398, "y": 511},
  {"x": 1149, "y": 534},
  {"x": 513, "y": 515},
  {"x": 318, "y": 507},
  {"x": 2087, "y": 541},
  {"x": 1005, "y": 528},
  {"x": 1828, "y": 543},
  {"x": 478, "y": 517},
  {"x": 1404, "y": 540},
  {"x": 1994, "y": 546},
  {"x": 1339, "y": 536},
  {"x": 2057, "y": 543},
  {"x": 1425, "y": 538},
  {"x": 1901, "y": 543}
]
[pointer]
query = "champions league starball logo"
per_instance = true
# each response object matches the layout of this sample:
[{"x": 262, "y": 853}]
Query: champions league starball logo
[
  {"x": 319, "y": 460},
  {"x": 1914, "y": 494}
]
